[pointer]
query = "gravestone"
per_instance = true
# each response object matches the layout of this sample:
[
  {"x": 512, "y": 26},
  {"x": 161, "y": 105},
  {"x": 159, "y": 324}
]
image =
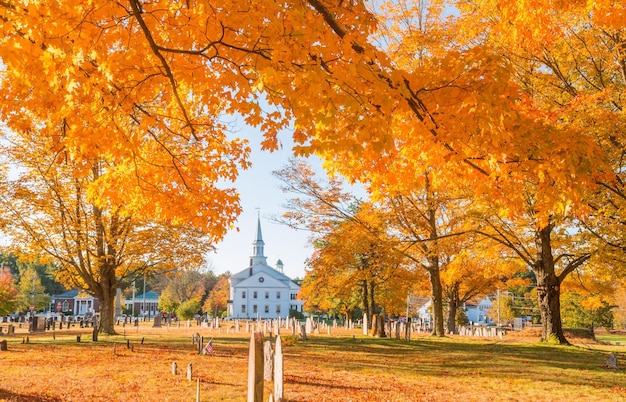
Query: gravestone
[
  {"x": 611, "y": 361},
  {"x": 174, "y": 368},
  {"x": 255, "y": 368},
  {"x": 278, "y": 370},
  {"x": 189, "y": 371},
  {"x": 3, "y": 346},
  {"x": 303, "y": 332},
  {"x": 118, "y": 302},
  {"x": 157, "y": 321},
  {"x": 268, "y": 362}
]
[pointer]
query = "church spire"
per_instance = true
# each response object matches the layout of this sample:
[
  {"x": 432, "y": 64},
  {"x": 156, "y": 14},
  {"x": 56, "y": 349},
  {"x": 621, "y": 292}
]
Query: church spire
[{"x": 257, "y": 249}]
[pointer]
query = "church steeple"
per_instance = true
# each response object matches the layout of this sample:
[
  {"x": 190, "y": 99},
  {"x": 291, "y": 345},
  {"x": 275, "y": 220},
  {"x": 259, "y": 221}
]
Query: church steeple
[{"x": 257, "y": 249}]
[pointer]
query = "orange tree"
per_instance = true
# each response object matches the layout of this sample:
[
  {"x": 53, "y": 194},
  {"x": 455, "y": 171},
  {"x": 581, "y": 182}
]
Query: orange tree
[
  {"x": 8, "y": 292},
  {"x": 474, "y": 271},
  {"x": 567, "y": 59},
  {"x": 351, "y": 259},
  {"x": 217, "y": 300},
  {"x": 433, "y": 90},
  {"x": 53, "y": 213}
]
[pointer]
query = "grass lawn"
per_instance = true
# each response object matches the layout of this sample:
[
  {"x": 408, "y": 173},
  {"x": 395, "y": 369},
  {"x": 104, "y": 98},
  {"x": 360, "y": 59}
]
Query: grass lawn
[
  {"x": 612, "y": 338},
  {"x": 342, "y": 367}
]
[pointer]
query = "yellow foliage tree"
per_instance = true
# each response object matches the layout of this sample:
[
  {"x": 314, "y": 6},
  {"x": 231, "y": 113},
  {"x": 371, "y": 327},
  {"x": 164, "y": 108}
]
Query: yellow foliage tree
[
  {"x": 52, "y": 212},
  {"x": 217, "y": 301}
]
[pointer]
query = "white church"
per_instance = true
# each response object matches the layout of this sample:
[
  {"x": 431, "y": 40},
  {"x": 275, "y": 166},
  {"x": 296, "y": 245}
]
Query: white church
[{"x": 261, "y": 291}]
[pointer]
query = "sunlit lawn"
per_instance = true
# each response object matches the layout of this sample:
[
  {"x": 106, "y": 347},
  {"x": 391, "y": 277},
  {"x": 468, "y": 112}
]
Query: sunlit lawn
[
  {"x": 612, "y": 338},
  {"x": 323, "y": 368}
]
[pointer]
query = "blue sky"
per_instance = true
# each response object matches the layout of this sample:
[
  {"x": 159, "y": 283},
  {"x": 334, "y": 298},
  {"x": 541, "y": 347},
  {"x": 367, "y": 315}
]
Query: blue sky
[{"x": 258, "y": 188}]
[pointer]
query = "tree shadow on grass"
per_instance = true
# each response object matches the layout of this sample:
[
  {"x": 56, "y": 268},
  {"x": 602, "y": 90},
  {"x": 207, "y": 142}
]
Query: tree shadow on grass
[
  {"x": 10, "y": 396},
  {"x": 436, "y": 357}
]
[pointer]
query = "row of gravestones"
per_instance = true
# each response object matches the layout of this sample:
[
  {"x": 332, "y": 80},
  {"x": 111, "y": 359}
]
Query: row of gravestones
[{"x": 484, "y": 332}]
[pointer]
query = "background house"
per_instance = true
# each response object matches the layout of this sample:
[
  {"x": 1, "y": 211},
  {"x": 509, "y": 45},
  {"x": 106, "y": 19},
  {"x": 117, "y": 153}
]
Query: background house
[
  {"x": 147, "y": 303},
  {"x": 75, "y": 302}
]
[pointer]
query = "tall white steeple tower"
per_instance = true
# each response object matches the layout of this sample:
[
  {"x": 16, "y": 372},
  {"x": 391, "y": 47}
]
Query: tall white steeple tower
[{"x": 257, "y": 249}]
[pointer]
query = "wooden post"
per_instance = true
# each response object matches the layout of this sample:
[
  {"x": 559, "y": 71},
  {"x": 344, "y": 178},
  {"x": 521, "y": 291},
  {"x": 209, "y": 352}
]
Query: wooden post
[
  {"x": 189, "y": 372},
  {"x": 303, "y": 332},
  {"x": 278, "y": 370},
  {"x": 255, "y": 368}
]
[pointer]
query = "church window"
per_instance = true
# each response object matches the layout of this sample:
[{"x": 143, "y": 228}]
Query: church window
[
  {"x": 254, "y": 309},
  {"x": 243, "y": 308},
  {"x": 267, "y": 295},
  {"x": 293, "y": 296},
  {"x": 278, "y": 309},
  {"x": 254, "y": 295},
  {"x": 267, "y": 308},
  {"x": 278, "y": 295},
  {"x": 243, "y": 294}
]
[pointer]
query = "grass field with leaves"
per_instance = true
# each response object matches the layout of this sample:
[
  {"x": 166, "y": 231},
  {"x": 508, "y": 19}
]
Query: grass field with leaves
[{"x": 342, "y": 367}]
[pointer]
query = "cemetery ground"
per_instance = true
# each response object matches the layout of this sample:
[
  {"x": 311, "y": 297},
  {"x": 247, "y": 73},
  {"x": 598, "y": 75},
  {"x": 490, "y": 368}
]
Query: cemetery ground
[{"x": 345, "y": 366}]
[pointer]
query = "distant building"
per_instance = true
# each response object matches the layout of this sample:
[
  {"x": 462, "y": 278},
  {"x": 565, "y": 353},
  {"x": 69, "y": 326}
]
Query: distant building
[
  {"x": 144, "y": 306},
  {"x": 261, "y": 291},
  {"x": 75, "y": 302},
  {"x": 479, "y": 313}
]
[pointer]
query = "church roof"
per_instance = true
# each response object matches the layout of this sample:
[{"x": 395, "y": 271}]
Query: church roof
[{"x": 258, "y": 262}]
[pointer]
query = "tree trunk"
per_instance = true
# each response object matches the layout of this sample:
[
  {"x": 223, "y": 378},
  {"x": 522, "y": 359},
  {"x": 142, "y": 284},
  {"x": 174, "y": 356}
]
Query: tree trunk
[
  {"x": 107, "y": 312},
  {"x": 548, "y": 289},
  {"x": 371, "y": 296},
  {"x": 106, "y": 296},
  {"x": 436, "y": 298},
  {"x": 453, "y": 305}
]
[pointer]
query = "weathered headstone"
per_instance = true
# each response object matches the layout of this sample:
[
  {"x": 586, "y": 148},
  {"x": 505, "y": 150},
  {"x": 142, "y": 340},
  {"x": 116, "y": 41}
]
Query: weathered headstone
[
  {"x": 3, "y": 346},
  {"x": 278, "y": 370},
  {"x": 303, "y": 332},
  {"x": 255, "y": 368},
  {"x": 174, "y": 368},
  {"x": 157, "y": 321},
  {"x": 199, "y": 343},
  {"x": 611, "y": 361},
  {"x": 189, "y": 372},
  {"x": 268, "y": 362}
]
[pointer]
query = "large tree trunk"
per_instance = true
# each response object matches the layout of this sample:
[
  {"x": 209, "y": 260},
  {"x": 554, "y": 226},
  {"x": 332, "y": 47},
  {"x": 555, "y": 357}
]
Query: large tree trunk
[
  {"x": 105, "y": 292},
  {"x": 453, "y": 306},
  {"x": 548, "y": 289},
  {"x": 437, "y": 304}
]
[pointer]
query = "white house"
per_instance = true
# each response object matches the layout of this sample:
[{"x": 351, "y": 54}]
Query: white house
[
  {"x": 479, "y": 313},
  {"x": 261, "y": 291}
]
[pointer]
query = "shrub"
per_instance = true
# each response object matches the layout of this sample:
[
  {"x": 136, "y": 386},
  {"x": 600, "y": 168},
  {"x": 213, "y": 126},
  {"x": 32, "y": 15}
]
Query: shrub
[{"x": 187, "y": 309}]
